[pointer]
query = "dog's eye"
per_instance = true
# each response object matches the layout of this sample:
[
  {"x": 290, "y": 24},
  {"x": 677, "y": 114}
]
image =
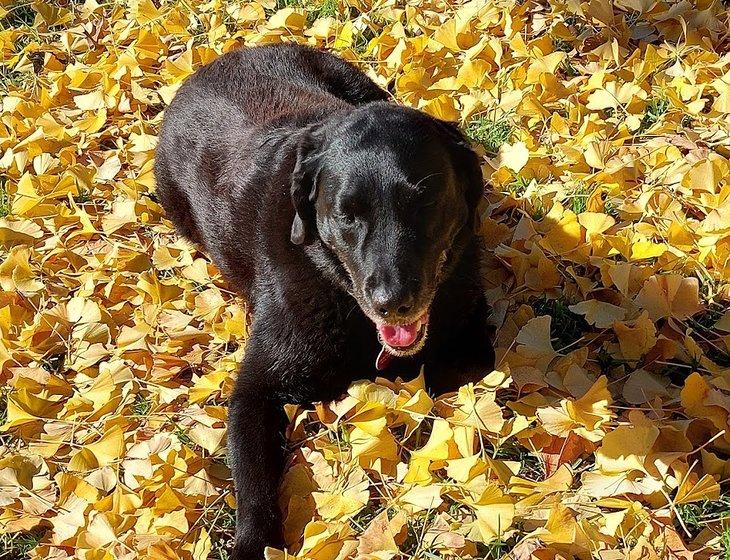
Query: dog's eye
[
  {"x": 349, "y": 212},
  {"x": 346, "y": 218}
]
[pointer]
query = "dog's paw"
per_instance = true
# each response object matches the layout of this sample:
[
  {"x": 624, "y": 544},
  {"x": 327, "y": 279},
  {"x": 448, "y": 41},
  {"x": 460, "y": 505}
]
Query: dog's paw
[
  {"x": 254, "y": 538},
  {"x": 247, "y": 550}
]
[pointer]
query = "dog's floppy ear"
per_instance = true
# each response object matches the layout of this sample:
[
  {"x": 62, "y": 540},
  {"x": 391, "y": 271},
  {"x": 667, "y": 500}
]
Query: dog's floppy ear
[
  {"x": 304, "y": 189},
  {"x": 467, "y": 167}
]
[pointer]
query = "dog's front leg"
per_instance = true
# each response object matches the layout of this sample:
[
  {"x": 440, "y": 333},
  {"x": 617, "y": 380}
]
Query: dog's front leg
[{"x": 256, "y": 439}]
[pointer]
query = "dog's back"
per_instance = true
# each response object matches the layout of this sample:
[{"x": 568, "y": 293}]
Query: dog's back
[
  {"x": 224, "y": 136},
  {"x": 284, "y": 78}
]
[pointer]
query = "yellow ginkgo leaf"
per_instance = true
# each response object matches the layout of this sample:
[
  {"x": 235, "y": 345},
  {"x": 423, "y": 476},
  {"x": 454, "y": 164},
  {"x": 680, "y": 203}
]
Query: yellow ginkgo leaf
[
  {"x": 108, "y": 449},
  {"x": 599, "y": 313},
  {"x": 513, "y": 156},
  {"x": 91, "y": 101},
  {"x": 564, "y": 236},
  {"x": 495, "y": 513},
  {"x": 534, "y": 340},
  {"x": 670, "y": 296},
  {"x": 613, "y": 94},
  {"x": 543, "y": 65},
  {"x": 637, "y": 337},
  {"x": 627, "y": 447},
  {"x": 478, "y": 410},
  {"x": 706, "y": 488},
  {"x": 379, "y": 536},
  {"x": 16, "y": 274},
  {"x": 288, "y": 18},
  {"x": 19, "y": 232},
  {"x": 595, "y": 222}
]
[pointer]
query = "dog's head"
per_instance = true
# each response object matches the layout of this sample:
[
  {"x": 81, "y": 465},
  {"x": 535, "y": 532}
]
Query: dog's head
[{"x": 392, "y": 193}]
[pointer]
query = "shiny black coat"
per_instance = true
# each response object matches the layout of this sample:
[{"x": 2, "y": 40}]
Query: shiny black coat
[{"x": 230, "y": 169}]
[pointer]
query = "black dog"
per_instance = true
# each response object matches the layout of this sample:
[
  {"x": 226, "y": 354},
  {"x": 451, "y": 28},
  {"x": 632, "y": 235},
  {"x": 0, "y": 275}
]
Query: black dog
[{"x": 348, "y": 225}]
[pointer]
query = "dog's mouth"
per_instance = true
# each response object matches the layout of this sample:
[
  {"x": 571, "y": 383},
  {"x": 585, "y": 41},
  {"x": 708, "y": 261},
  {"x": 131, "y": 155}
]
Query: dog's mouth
[{"x": 404, "y": 339}]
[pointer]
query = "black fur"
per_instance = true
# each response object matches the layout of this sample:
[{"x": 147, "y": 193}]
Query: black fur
[{"x": 328, "y": 209}]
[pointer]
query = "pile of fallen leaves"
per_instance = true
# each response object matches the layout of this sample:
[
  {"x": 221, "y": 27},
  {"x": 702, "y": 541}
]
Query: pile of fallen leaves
[{"x": 604, "y": 431}]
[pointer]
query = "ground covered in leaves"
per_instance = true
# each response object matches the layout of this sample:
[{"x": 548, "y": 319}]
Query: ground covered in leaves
[{"x": 603, "y": 433}]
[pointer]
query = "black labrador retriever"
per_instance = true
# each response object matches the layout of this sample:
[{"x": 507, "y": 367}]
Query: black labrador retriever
[{"x": 346, "y": 222}]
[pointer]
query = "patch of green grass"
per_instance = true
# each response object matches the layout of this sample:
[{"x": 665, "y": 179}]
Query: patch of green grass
[
  {"x": 363, "y": 518},
  {"x": 281, "y": 4},
  {"x": 342, "y": 436},
  {"x": 17, "y": 546},
  {"x": 569, "y": 70},
  {"x": 691, "y": 515},
  {"x": 10, "y": 77},
  {"x": 198, "y": 287},
  {"x": 530, "y": 466},
  {"x": 4, "y": 199},
  {"x": 5, "y": 437},
  {"x": 490, "y": 133},
  {"x": 326, "y": 8},
  {"x": 20, "y": 14},
  {"x": 20, "y": 17},
  {"x": 495, "y": 549},
  {"x": 606, "y": 361},
  {"x": 413, "y": 546},
  {"x": 166, "y": 274},
  {"x": 184, "y": 438},
  {"x": 578, "y": 197},
  {"x": 361, "y": 40},
  {"x": 562, "y": 45},
  {"x": 537, "y": 209},
  {"x": 697, "y": 515},
  {"x": 725, "y": 544},
  {"x": 315, "y": 8},
  {"x": 54, "y": 363},
  {"x": 654, "y": 111},
  {"x": 704, "y": 324},
  {"x": 609, "y": 207},
  {"x": 142, "y": 405},
  {"x": 221, "y": 526},
  {"x": 83, "y": 197},
  {"x": 518, "y": 186},
  {"x": 578, "y": 24},
  {"x": 566, "y": 327}
]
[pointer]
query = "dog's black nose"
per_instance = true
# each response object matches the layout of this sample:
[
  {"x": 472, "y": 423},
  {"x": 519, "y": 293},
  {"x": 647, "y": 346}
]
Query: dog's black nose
[{"x": 392, "y": 304}]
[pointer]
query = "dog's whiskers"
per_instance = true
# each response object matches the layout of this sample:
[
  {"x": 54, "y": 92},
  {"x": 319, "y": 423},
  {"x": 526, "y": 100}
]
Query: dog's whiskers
[
  {"x": 418, "y": 184},
  {"x": 355, "y": 306}
]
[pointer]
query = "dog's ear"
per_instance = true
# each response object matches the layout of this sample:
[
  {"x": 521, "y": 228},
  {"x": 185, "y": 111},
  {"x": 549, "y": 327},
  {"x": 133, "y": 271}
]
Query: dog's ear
[
  {"x": 304, "y": 189},
  {"x": 468, "y": 168}
]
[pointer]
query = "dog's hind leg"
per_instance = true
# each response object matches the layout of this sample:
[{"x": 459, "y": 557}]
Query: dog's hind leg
[
  {"x": 345, "y": 81},
  {"x": 174, "y": 199}
]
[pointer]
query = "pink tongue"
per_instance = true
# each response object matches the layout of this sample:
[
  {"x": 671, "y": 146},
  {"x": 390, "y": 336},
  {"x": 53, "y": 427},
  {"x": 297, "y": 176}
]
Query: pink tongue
[{"x": 399, "y": 335}]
